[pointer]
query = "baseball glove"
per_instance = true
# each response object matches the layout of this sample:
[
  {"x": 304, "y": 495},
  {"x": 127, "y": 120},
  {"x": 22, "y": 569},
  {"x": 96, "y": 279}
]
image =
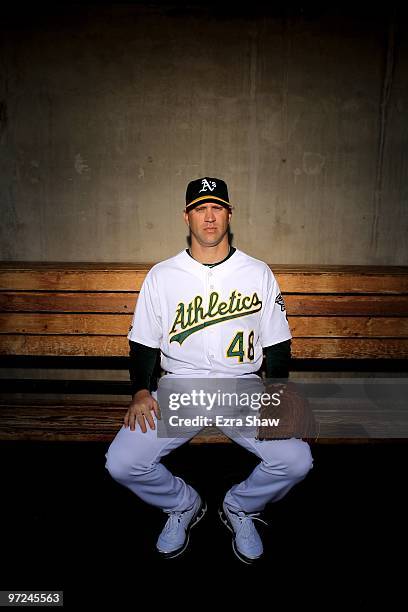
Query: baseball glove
[{"x": 292, "y": 417}]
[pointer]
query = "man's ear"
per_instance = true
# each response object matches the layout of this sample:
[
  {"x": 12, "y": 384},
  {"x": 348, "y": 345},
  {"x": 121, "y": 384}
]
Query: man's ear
[{"x": 186, "y": 218}]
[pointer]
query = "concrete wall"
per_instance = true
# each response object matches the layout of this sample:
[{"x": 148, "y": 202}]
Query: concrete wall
[{"x": 108, "y": 111}]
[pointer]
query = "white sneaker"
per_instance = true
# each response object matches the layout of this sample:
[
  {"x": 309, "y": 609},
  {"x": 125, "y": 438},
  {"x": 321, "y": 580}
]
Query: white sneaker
[
  {"x": 174, "y": 537},
  {"x": 246, "y": 542}
]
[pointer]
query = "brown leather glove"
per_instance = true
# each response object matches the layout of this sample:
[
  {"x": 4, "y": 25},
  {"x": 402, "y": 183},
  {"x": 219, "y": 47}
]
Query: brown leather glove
[{"x": 296, "y": 419}]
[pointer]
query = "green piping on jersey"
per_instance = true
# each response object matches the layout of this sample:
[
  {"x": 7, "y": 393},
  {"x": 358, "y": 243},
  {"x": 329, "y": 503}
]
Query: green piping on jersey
[{"x": 192, "y": 318}]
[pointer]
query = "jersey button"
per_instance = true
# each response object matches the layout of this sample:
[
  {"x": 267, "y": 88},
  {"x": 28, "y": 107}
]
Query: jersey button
[{"x": 211, "y": 287}]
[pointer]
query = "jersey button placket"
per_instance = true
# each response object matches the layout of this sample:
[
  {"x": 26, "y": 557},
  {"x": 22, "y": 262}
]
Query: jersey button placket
[
  {"x": 205, "y": 295},
  {"x": 210, "y": 289}
]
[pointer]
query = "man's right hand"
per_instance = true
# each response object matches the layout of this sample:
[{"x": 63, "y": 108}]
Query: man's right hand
[{"x": 140, "y": 410}]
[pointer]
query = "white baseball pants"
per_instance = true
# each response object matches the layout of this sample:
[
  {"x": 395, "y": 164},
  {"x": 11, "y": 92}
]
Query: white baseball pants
[{"x": 133, "y": 460}]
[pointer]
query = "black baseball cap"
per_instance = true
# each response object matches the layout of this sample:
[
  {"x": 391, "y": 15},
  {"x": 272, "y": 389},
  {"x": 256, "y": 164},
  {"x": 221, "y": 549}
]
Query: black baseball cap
[{"x": 207, "y": 189}]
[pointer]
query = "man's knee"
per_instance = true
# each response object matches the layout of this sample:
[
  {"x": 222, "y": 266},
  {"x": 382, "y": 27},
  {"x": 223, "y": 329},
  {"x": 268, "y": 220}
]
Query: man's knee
[
  {"x": 295, "y": 459},
  {"x": 121, "y": 467},
  {"x": 116, "y": 466},
  {"x": 299, "y": 460}
]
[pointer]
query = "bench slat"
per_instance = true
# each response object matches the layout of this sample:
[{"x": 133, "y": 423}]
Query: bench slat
[
  {"x": 110, "y": 277},
  {"x": 350, "y": 348},
  {"x": 124, "y": 303},
  {"x": 118, "y": 325},
  {"x": 349, "y": 327},
  {"x": 74, "y": 280},
  {"x": 336, "y": 305},
  {"x": 112, "y": 346},
  {"x": 68, "y": 302},
  {"x": 342, "y": 283}
]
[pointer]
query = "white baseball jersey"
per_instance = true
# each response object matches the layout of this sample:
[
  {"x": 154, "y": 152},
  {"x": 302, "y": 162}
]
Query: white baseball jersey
[{"x": 210, "y": 321}]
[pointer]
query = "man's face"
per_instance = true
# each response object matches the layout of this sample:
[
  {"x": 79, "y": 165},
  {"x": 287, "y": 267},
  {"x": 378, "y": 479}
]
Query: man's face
[{"x": 208, "y": 223}]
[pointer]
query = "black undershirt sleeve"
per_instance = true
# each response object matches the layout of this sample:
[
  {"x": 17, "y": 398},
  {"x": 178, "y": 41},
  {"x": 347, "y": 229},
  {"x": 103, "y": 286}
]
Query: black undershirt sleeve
[
  {"x": 143, "y": 365},
  {"x": 277, "y": 360}
]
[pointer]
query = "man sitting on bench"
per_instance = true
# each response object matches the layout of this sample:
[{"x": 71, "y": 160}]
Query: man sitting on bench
[{"x": 211, "y": 311}]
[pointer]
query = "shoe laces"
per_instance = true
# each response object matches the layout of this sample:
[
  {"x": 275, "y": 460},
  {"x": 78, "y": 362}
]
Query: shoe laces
[
  {"x": 247, "y": 523},
  {"x": 173, "y": 521}
]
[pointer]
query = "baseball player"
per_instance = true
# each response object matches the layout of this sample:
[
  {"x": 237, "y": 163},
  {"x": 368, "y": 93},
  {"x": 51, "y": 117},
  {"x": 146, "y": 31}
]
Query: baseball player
[{"x": 209, "y": 311}]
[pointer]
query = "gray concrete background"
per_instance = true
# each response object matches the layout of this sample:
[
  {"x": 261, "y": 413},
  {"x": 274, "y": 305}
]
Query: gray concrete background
[{"x": 107, "y": 111}]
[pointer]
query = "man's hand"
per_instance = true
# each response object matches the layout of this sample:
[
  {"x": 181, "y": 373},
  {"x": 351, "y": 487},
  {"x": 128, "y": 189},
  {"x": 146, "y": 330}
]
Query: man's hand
[{"x": 140, "y": 410}]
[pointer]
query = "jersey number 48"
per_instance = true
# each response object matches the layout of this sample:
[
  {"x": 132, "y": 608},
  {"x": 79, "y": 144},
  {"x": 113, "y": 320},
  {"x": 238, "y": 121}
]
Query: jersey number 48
[{"x": 237, "y": 348}]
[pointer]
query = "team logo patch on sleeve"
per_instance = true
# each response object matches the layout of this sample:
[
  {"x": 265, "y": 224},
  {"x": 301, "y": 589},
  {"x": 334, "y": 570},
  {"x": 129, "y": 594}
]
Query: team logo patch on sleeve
[{"x": 279, "y": 300}]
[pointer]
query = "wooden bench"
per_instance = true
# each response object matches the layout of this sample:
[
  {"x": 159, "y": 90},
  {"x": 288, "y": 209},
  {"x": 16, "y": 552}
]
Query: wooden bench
[{"x": 77, "y": 315}]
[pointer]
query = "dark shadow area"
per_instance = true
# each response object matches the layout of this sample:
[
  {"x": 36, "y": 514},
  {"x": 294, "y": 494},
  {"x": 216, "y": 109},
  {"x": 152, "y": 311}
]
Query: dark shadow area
[
  {"x": 121, "y": 363},
  {"x": 26, "y": 384},
  {"x": 67, "y": 525}
]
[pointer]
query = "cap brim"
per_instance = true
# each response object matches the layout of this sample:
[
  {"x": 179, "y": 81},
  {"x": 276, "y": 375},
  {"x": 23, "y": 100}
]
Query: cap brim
[{"x": 207, "y": 198}]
